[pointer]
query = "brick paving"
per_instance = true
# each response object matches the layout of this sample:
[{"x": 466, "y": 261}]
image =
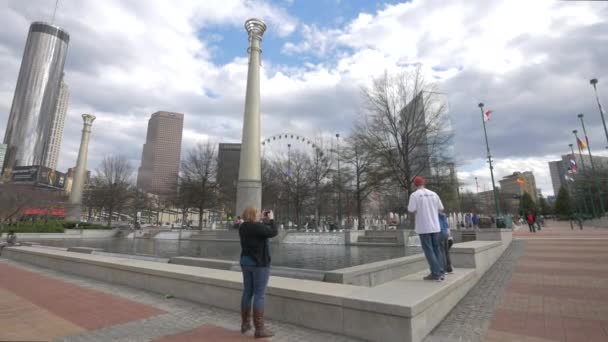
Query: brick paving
[
  {"x": 35, "y": 305},
  {"x": 559, "y": 288},
  {"x": 548, "y": 286}
]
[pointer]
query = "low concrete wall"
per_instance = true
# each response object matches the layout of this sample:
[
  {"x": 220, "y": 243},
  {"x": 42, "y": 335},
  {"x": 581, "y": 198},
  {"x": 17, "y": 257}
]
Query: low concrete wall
[
  {"x": 479, "y": 255},
  {"x": 70, "y": 234},
  {"x": 316, "y": 238},
  {"x": 405, "y": 309},
  {"x": 352, "y": 236},
  {"x": 289, "y": 272},
  {"x": 85, "y": 250},
  {"x": 495, "y": 234},
  {"x": 379, "y": 272}
]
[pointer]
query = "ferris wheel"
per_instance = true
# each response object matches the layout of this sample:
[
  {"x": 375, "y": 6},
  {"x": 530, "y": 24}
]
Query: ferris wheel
[{"x": 276, "y": 144}]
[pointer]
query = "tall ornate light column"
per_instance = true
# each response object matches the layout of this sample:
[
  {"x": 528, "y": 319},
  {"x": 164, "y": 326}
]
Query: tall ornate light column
[
  {"x": 249, "y": 187},
  {"x": 75, "y": 203}
]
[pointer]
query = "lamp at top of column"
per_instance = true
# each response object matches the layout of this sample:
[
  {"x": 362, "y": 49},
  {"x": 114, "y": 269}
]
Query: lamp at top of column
[{"x": 249, "y": 187}]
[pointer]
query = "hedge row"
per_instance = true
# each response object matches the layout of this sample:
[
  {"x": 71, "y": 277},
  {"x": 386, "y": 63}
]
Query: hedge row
[{"x": 50, "y": 226}]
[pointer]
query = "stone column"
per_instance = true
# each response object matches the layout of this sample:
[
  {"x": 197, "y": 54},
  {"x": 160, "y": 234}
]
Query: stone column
[
  {"x": 249, "y": 187},
  {"x": 74, "y": 208}
]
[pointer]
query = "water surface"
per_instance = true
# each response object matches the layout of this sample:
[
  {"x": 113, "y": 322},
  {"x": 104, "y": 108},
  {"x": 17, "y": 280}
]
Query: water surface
[{"x": 319, "y": 257}]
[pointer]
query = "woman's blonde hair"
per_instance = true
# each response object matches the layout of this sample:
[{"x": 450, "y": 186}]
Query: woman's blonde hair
[{"x": 250, "y": 214}]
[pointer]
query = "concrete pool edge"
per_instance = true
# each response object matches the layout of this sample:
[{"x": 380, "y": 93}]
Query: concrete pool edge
[{"x": 403, "y": 309}]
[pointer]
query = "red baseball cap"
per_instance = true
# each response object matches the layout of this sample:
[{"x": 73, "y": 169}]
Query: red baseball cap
[{"x": 418, "y": 181}]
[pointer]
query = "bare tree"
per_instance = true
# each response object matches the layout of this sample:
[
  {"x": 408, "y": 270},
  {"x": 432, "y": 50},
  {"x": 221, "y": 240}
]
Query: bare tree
[
  {"x": 364, "y": 167},
  {"x": 320, "y": 168},
  {"x": 16, "y": 197},
  {"x": 112, "y": 184},
  {"x": 294, "y": 174},
  {"x": 405, "y": 126},
  {"x": 198, "y": 185}
]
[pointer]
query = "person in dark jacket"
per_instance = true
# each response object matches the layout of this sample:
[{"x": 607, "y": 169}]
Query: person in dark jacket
[
  {"x": 531, "y": 219},
  {"x": 254, "y": 233},
  {"x": 446, "y": 243}
]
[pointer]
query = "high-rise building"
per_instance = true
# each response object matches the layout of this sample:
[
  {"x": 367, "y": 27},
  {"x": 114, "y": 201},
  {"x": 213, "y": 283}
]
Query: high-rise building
[
  {"x": 559, "y": 168},
  {"x": 228, "y": 161},
  {"x": 28, "y": 131},
  {"x": 57, "y": 126},
  {"x": 160, "y": 157},
  {"x": 557, "y": 172},
  {"x": 2, "y": 155},
  {"x": 518, "y": 183}
]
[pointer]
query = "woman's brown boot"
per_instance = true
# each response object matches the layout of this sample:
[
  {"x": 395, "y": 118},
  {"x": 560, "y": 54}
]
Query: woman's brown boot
[
  {"x": 258, "y": 322},
  {"x": 245, "y": 320}
]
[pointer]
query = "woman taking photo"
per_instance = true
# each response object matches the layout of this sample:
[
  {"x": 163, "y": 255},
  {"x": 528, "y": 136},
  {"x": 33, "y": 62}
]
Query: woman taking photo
[{"x": 255, "y": 232}]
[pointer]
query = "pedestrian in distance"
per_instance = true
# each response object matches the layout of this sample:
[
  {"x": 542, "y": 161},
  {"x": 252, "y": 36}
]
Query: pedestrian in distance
[
  {"x": 475, "y": 220},
  {"x": 11, "y": 240},
  {"x": 446, "y": 242},
  {"x": 426, "y": 206},
  {"x": 531, "y": 220},
  {"x": 468, "y": 220},
  {"x": 255, "y": 233}
]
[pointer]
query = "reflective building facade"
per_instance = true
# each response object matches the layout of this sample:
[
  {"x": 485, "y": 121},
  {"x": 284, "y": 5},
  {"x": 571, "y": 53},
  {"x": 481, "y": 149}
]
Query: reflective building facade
[
  {"x": 28, "y": 132},
  {"x": 61, "y": 110}
]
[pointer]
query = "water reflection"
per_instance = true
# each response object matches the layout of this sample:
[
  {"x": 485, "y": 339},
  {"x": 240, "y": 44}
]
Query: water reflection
[{"x": 320, "y": 257}]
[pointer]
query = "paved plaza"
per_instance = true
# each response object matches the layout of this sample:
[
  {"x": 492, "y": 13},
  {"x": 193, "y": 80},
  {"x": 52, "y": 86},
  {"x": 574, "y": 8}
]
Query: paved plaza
[{"x": 548, "y": 286}]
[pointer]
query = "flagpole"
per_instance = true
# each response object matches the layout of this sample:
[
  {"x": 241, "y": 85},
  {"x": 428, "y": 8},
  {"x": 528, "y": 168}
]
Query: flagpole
[
  {"x": 573, "y": 189},
  {"x": 485, "y": 133},
  {"x": 594, "y": 82},
  {"x": 580, "y": 153},
  {"x": 593, "y": 174}
]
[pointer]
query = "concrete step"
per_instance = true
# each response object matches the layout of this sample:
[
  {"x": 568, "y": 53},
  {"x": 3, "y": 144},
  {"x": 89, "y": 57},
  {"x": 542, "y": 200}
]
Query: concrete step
[
  {"x": 206, "y": 238},
  {"x": 377, "y": 244},
  {"x": 377, "y": 239}
]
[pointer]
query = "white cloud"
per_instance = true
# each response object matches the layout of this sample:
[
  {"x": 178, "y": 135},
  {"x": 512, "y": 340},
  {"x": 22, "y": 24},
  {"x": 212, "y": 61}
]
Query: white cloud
[{"x": 529, "y": 60}]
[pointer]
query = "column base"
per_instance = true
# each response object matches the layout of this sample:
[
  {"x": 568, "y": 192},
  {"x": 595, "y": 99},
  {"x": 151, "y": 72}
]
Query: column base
[
  {"x": 73, "y": 212},
  {"x": 248, "y": 194}
]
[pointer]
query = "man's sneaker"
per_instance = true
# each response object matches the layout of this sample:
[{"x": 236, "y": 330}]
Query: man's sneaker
[{"x": 432, "y": 277}]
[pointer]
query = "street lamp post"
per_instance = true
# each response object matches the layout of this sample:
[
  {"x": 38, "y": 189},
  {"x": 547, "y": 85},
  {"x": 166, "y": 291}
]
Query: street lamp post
[
  {"x": 580, "y": 154},
  {"x": 496, "y": 204},
  {"x": 289, "y": 184},
  {"x": 594, "y": 82},
  {"x": 593, "y": 174},
  {"x": 339, "y": 182}
]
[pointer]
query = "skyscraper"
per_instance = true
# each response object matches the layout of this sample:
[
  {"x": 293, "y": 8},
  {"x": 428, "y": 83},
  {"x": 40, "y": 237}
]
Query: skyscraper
[
  {"x": 161, "y": 154},
  {"x": 518, "y": 183},
  {"x": 28, "y": 131},
  {"x": 228, "y": 160},
  {"x": 57, "y": 126},
  {"x": 559, "y": 168}
]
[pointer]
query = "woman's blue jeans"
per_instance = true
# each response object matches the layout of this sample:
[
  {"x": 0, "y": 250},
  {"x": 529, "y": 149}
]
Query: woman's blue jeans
[{"x": 255, "y": 280}]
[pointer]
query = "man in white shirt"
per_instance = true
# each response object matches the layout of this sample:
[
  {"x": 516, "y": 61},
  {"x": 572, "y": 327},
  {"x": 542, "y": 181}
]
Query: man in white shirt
[{"x": 426, "y": 206}]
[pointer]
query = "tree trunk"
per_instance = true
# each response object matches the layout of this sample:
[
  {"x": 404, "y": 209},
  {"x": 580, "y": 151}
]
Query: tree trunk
[
  {"x": 360, "y": 224},
  {"x": 110, "y": 217},
  {"x": 200, "y": 216}
]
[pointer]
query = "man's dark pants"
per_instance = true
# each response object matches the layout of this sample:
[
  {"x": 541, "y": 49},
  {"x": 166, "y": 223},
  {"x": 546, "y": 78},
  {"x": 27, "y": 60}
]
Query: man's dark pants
[{"x": 431, "y": 245}]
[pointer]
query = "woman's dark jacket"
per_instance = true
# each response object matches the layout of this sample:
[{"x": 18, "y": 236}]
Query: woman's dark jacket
[{"x": 254, "y": 241}]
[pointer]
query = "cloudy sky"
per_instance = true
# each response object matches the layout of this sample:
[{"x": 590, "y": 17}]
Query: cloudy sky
[{"x": 529, "y": 61}]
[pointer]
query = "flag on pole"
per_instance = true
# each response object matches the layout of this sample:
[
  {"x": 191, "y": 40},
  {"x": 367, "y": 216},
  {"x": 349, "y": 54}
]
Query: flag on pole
[
  {"x": 573, "y": 166},
  {"x": 581, "y": 144},
  {"x": 486, "y": 116}
]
